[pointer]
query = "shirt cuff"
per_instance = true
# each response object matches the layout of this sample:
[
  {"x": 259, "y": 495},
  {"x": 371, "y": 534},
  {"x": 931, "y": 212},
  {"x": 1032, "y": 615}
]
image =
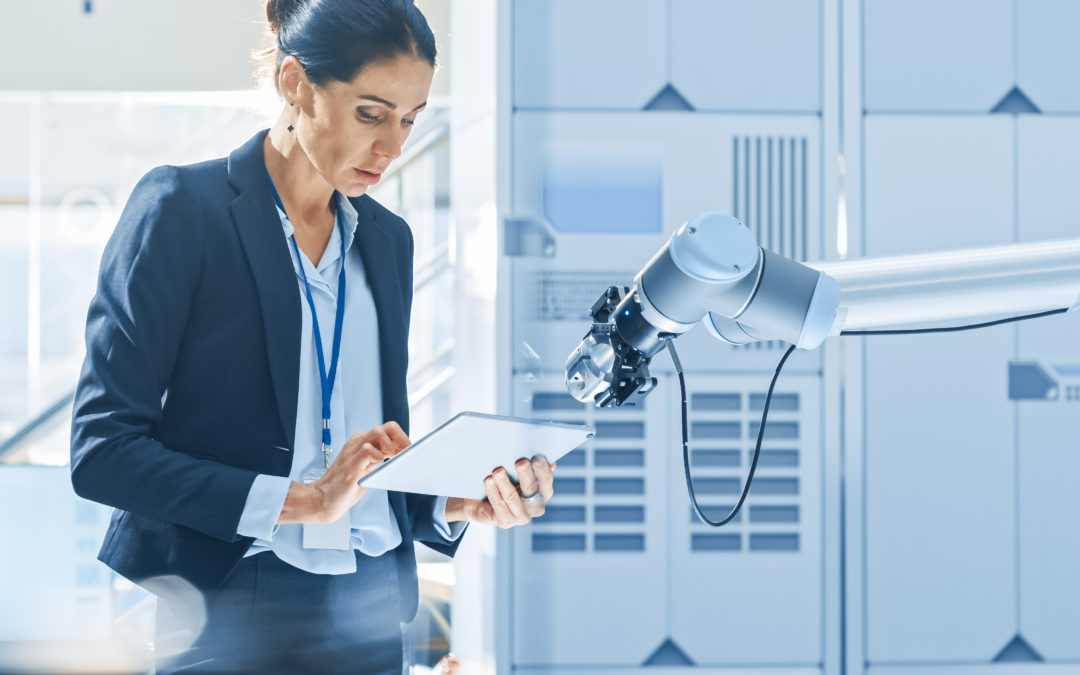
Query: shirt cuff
[
  {"x": 263, "y": 507},
  {"x": 449, "y": 531}
]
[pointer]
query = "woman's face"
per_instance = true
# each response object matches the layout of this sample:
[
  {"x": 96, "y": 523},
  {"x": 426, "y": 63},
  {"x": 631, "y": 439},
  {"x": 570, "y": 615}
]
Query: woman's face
[{"x": 352, "y": 131}]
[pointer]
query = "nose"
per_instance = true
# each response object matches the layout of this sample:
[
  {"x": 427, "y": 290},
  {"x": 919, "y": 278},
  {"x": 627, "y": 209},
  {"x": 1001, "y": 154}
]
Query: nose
[{"x": 388, "y": 143}]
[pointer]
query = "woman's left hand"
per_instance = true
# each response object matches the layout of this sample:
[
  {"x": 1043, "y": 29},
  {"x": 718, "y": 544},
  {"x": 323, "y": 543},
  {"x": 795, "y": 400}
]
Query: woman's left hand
[{"x": 504, "y": 505}]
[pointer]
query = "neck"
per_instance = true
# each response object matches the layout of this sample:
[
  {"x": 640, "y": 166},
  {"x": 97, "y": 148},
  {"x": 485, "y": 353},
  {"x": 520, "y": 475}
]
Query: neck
[{"x": 307, "y": 197}]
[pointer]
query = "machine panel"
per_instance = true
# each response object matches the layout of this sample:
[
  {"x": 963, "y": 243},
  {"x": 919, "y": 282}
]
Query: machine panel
[
  {"x": 1047, "y": 51},
  {"x": 765, "y": 171},
  {"x": 602, "y": 54},
  {"x": 927, "y": 55},
  {"x": 733, "y": 55},
  {"x": 940, "y": 518},
  {"x": 749, "y": 592},
  {"x": 1049, "y": 465}
]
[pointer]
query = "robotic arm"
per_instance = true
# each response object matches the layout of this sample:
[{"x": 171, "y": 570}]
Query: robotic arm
[{"x": 712, "y": 271}]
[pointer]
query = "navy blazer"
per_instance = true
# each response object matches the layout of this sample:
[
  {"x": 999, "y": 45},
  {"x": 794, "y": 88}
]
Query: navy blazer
[{"x": 189, "y": 385}]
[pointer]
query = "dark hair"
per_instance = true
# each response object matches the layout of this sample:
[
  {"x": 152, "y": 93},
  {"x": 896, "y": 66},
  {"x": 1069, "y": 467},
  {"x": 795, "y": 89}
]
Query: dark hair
[{"x": 335, "y": 39}]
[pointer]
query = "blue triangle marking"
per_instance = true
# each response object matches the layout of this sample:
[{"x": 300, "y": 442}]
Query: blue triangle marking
[
  {"x": 668, "y": 654},
  {"x": 668, "y": 98},
  {"x": 1016, "y": 103},
  {"x": 1017, "y": 650}
]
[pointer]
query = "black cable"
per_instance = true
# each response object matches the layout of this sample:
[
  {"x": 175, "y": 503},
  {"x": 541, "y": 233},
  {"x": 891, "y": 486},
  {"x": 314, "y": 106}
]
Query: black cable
[
  {"x": 757, "y": 448},
  {"x": 954, "y": 329},
  {"x": 768, "y": 399}
]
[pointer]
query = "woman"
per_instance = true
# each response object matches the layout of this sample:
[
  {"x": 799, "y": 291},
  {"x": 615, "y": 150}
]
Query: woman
[{"x": 252, "y": 313}]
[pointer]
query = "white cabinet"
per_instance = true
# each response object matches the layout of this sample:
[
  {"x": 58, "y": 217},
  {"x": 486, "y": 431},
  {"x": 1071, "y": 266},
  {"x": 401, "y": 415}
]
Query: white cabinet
[
  {"x": 1049, "y": 464},
  {"x": 940, "y": 517},
  {"x": 1047, "y": 53},
  {"x": 933, "y": 55},
  {"x": 734, "y": 55},
  {"x": 594, "y": 54}
]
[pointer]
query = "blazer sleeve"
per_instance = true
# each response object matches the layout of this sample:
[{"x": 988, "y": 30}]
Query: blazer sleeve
[
  {"x": 149, "y": 275},
  {"x": 421, "y": 513}
]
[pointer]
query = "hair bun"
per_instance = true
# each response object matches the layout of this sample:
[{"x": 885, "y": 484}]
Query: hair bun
[{"x": 279, "y": 11}]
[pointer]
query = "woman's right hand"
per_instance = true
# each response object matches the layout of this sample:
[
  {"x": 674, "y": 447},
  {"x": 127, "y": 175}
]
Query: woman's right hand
[{"x": 336, "y": 491}]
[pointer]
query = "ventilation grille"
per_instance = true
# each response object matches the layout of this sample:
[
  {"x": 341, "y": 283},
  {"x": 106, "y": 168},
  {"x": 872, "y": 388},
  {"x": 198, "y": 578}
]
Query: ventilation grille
[
  {"x": 723, "y": 431},
  {"x": 601, "y": 485},
  {"x": 568, "y": 296},
  {"x": 769, "y": 175}
]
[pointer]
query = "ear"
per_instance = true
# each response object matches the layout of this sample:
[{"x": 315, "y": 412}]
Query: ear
[{"x": 293, "y": 80}]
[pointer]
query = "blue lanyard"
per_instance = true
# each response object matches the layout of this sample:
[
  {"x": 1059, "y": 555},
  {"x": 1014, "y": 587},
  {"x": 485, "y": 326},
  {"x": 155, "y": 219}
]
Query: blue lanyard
[{"x": 327, "y": 379}]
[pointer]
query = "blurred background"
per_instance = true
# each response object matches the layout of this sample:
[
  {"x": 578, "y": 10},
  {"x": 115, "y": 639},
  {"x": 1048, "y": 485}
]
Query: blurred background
[{"x": 914, "y": 511}]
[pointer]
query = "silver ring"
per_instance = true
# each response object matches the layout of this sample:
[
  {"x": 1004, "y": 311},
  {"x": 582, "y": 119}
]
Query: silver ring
[{"x": 534, "y": 497}]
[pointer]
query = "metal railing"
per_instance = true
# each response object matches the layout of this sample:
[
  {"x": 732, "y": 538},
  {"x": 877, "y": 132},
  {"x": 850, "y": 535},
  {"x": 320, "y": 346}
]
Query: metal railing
[{"x": 45, "y": 421}]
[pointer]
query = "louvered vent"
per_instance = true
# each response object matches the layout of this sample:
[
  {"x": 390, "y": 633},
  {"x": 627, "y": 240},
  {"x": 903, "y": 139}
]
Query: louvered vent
[
  {"x": 600, "y": 486},
  {"x": 769, "y": 175},
  {"x": 723, "y": 430}
]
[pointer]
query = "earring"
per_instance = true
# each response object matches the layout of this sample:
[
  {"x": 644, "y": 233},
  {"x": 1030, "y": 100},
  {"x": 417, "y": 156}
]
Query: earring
[{"x": 290, "y": 127}]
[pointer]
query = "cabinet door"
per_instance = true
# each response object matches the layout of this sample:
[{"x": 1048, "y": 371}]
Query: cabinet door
[
  {"x": 940, "y": 519},
  {"x": 600, "y": 54},
  {"x": 1047, "y": 53},
  {"x": 749, "y": 592},
  {"x": 589, "y": 576},
  {"x": 1049, "y": 464},
  {"x": 735, "y": 55},
  {"x": 930, "y": 55},
  {"x": 613, "y": 576}
]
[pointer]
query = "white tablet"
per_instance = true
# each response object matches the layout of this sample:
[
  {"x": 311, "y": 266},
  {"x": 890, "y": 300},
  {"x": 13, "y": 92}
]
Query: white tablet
[{"x": 454, "y": 459}]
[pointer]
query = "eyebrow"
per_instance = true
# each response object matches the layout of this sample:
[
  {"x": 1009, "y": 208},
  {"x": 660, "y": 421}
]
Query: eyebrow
[{"x": 386, "y": 103}]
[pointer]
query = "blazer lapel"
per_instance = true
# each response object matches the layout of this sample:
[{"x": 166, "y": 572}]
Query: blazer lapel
[{"x": 259, "y": 229}]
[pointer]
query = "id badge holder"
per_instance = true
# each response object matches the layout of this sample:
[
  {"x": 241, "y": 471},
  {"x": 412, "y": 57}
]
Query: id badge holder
[{"x": 336, "y": 535}]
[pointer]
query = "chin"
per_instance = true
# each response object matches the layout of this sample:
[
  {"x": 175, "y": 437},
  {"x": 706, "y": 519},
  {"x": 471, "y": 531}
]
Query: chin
[{"x": 354, "y": 191}]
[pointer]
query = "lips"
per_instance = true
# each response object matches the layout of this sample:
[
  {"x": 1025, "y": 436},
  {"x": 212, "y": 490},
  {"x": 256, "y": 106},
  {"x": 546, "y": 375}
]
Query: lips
[{"x": 369, "y": 178}]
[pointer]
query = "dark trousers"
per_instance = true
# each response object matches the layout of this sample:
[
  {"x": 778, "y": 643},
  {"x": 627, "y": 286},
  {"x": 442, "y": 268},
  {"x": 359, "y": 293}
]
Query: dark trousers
[{"x": 270, "y": 617}]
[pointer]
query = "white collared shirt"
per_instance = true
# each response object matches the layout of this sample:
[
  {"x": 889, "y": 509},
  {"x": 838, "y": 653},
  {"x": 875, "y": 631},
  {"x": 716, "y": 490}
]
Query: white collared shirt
[{"x": 355, "y": 405}]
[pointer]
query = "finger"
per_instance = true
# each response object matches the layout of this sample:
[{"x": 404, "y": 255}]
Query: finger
[
  {"x": 397, "y": 436},
  {"x": 529, "y": 486},
  {"x": 502, "y": 514},
  {"x": 381, "y": 440},
  {"x": 526, "y": 478},
  {"x": 366, "y": 458},
  {"x": 512, "y": 496},
  {"x": 542, "y": 470}
]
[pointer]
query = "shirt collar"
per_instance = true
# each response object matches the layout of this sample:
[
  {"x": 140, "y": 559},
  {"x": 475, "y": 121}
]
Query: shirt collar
[{"x": 347, "y": 219}]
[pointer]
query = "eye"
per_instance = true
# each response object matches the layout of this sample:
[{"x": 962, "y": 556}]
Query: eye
[
  {"x": 405, "y": 122},
  {"x": 368, "y": 117}
]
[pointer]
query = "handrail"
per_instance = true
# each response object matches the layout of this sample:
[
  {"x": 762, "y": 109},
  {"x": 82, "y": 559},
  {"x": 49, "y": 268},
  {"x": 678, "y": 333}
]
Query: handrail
[
  {"x": 430, "y": 269},
  {"x": 445, "y": 348},
  {"x": 431, "y": 386},
  {"x": 14, "y": 441}
]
